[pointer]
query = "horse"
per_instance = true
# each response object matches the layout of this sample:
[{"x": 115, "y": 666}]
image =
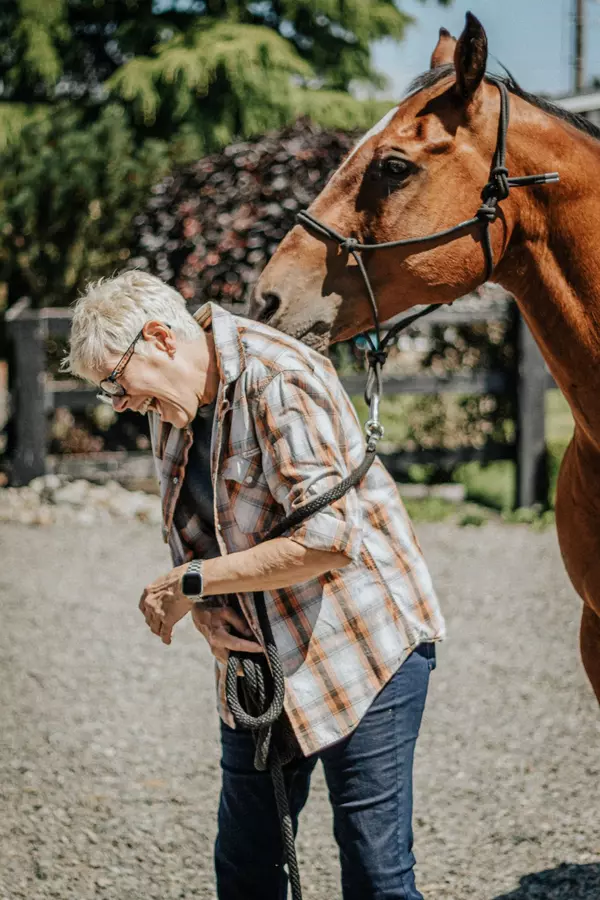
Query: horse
[{"x": 418, "y": 173}]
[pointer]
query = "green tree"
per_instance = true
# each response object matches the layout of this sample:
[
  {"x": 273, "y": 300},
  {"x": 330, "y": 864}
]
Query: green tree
[
  {"x": 198, "y": 72},
  {"x": 67, "y": 193},
  {"x": 98, "y": 96}
]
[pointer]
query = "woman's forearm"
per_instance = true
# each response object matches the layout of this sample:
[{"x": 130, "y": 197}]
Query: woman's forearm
[{"x": 279, "y": 563}]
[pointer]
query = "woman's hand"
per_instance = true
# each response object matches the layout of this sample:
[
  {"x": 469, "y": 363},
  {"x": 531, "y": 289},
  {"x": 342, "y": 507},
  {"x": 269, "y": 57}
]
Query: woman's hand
[
  {"x": 216, "y": 624},
  {"x": 163, "y": 604}
]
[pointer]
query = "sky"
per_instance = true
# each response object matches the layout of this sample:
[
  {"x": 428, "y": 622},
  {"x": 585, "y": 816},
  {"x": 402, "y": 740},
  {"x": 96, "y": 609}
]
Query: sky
[{"x": 532, "y": 38}]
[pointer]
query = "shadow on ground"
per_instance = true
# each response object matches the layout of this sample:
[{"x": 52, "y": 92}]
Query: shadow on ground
[{"x": 567, "y": 882}]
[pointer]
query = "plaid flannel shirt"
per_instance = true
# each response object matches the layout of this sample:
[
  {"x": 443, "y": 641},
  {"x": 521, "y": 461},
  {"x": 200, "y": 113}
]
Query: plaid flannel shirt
[{"x": 284, "y": 431}]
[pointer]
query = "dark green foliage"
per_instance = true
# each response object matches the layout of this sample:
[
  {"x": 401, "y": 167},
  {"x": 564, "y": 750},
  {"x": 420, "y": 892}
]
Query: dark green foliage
[
  {"x": 210, "y": 228},
  {"x": 199, "y": 73},
  {"x": 66, "y": 195},
  {"x": 97, "y": 95}
]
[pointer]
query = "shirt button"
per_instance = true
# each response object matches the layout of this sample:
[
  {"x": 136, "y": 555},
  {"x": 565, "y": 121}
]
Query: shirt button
[{"x": 175, "y": 480}]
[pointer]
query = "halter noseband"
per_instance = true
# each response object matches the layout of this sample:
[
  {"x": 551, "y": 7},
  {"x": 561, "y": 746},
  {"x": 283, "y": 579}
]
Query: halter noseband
[{"x": 496, "y": 190}]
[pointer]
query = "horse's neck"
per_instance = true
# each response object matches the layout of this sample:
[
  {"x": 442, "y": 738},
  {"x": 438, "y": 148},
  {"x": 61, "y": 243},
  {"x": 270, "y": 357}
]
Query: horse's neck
[{"x": 553, "y": 268}]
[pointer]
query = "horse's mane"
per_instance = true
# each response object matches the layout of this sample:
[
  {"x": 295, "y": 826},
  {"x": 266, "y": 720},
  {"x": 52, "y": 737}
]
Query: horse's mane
[{"x": 433, "y": 76}]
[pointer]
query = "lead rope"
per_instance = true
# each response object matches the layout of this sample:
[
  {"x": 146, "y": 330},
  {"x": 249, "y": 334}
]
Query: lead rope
[{"x": 263, "y": 684}]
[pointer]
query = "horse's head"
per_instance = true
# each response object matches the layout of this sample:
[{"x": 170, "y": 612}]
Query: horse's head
[{"x": 420, "y": 170}]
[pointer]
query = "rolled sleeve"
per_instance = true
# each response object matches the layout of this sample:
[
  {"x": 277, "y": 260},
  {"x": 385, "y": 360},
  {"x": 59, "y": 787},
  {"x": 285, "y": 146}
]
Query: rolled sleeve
[{"x": 304, "y": 454}]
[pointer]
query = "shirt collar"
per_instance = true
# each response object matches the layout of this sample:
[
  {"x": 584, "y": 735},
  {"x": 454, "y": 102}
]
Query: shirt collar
[{"x": 231, "y": 359}]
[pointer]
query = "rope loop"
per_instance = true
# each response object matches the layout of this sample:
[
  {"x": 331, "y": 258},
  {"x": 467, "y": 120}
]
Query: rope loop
[
  {"x": 349, "y": 244},
  {"x": 487, "y": 213},
  {"x": 499, "y": 176},
  {"x": 377, "y": 357}
]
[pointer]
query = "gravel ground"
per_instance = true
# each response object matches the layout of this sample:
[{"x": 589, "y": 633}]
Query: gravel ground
[{"x": 109, "y": 768}]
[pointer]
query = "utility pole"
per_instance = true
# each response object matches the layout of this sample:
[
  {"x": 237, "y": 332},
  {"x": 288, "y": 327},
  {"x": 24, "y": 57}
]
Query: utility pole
[{"x": 579, "y": 50}]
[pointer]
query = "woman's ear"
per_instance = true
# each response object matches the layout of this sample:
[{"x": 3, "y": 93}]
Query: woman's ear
[
  {"x": 161, "y": 335},
  {"x": 470, "y": 58}
]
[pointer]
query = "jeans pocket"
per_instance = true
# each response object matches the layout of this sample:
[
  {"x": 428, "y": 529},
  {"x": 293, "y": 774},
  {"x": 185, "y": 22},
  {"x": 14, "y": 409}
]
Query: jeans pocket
[{"x": 427, "y": 651}]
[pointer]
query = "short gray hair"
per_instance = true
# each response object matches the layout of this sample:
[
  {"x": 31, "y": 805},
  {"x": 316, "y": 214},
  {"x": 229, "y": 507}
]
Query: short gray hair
[{"x": 112, "y": 311}]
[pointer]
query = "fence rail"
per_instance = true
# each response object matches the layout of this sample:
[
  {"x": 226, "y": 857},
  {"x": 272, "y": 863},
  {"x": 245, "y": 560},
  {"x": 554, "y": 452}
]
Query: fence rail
[{"x": 34, "y": 394}]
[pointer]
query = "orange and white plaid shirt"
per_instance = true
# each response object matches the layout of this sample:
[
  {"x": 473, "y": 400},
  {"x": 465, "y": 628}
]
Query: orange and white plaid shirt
[{"x": 284, "y": 431}]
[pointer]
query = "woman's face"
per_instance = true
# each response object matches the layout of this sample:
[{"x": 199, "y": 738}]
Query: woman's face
[{"x": 157, "y": 381}]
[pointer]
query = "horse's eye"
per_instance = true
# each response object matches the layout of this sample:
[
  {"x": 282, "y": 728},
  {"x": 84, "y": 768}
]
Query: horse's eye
[{"x": 395, "y": 168}]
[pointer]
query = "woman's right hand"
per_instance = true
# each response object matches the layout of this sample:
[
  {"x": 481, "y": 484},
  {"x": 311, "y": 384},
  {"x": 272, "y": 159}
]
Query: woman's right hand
[{"x": 216, "y": 624}]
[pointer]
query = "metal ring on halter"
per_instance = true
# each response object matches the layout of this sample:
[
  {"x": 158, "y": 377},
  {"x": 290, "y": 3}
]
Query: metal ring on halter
[
  {"x": 373, "y": 438},
  {"x": 374, "y": 429}
]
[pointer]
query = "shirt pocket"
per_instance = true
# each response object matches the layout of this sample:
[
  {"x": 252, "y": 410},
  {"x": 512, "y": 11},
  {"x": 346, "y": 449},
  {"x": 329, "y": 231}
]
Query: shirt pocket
[{"x": 251, "y": 502}]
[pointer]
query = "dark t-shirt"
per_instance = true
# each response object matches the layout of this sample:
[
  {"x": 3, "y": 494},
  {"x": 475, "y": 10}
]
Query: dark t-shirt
[{"x": 197, "y": 490}]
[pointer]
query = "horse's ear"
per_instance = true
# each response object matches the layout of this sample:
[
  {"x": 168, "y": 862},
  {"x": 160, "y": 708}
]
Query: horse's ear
[
  {"x": 444, "y": 50},
  {"x": 470, "y": 58}
]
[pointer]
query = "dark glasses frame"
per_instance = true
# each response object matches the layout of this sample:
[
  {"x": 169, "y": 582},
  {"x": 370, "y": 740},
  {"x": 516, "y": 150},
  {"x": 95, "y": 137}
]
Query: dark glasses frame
[{"x": 109, "y": 386}]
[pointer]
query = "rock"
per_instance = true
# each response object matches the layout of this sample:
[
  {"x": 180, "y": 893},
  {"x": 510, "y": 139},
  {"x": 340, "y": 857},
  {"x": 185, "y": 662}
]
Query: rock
[
  {"x": 87, "y": 516},
  {"x": 128, "y": 504},
  {"x": 25, "y": 517},
  {"x": 74, "y": 494},
  {"x": 26, "y": 497},
  {"x": 413, "y": 491},
  {"x": 42, "y": 516},
  {"x": 454, "y": 493},
  {"x": 101, "y": 496},
  {"x": 51, "y": 499},
  {"x": 46, "y": 483},
  {"x": 152, "y": 513}
]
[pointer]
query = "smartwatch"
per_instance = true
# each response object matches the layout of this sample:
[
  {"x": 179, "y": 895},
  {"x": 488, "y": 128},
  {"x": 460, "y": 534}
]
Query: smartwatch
[{"x": 191, "y": 581}]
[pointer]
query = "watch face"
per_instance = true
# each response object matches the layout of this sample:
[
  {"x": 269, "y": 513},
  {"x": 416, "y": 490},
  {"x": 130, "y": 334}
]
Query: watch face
[{"x": 191, "y": 584}]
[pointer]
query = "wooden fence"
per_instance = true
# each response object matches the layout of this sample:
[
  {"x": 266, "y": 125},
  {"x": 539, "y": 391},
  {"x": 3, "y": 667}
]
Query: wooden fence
[{"x": 34, "y": 394}]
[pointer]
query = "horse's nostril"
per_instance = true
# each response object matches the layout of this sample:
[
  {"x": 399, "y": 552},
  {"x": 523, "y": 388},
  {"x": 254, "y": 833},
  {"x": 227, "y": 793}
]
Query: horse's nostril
[{"x": 270, "y": 303}]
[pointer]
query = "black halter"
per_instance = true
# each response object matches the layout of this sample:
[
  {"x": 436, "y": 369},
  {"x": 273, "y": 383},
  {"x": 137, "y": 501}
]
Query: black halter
[{"x": 496, "y": 190}]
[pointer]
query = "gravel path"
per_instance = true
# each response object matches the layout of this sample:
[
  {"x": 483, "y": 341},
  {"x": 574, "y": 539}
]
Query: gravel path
[{"x": 109, "y": 769}]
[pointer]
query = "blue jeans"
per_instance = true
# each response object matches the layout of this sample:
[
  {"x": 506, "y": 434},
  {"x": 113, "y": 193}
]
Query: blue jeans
[{"x": 369, "y": 777}]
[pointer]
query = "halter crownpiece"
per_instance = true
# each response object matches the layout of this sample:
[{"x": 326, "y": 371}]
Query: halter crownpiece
[{"x": 497, "y": 189}]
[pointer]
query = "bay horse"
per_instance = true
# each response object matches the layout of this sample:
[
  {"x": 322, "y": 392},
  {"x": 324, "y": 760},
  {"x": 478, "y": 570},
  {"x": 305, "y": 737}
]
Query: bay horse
[{"x": 420, "y": 171}]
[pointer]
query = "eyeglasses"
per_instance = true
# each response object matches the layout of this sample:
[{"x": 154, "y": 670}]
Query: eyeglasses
[{"x": 110, "y": 387}]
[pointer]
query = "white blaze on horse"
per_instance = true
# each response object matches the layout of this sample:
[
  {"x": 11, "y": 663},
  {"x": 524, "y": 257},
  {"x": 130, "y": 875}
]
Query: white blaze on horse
[{"x": 419, "y": 172}]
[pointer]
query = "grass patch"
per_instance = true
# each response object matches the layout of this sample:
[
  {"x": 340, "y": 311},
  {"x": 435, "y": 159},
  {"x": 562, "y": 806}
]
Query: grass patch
[
  {"x": 490, "y": 484},
  {"x": 470, "y": 515},
  {"x": 472, "y": 519},
  {"x": 435, "y": 509},
  {"x": 430, "y": 509},
  {"x": 538, "y": 518}
]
